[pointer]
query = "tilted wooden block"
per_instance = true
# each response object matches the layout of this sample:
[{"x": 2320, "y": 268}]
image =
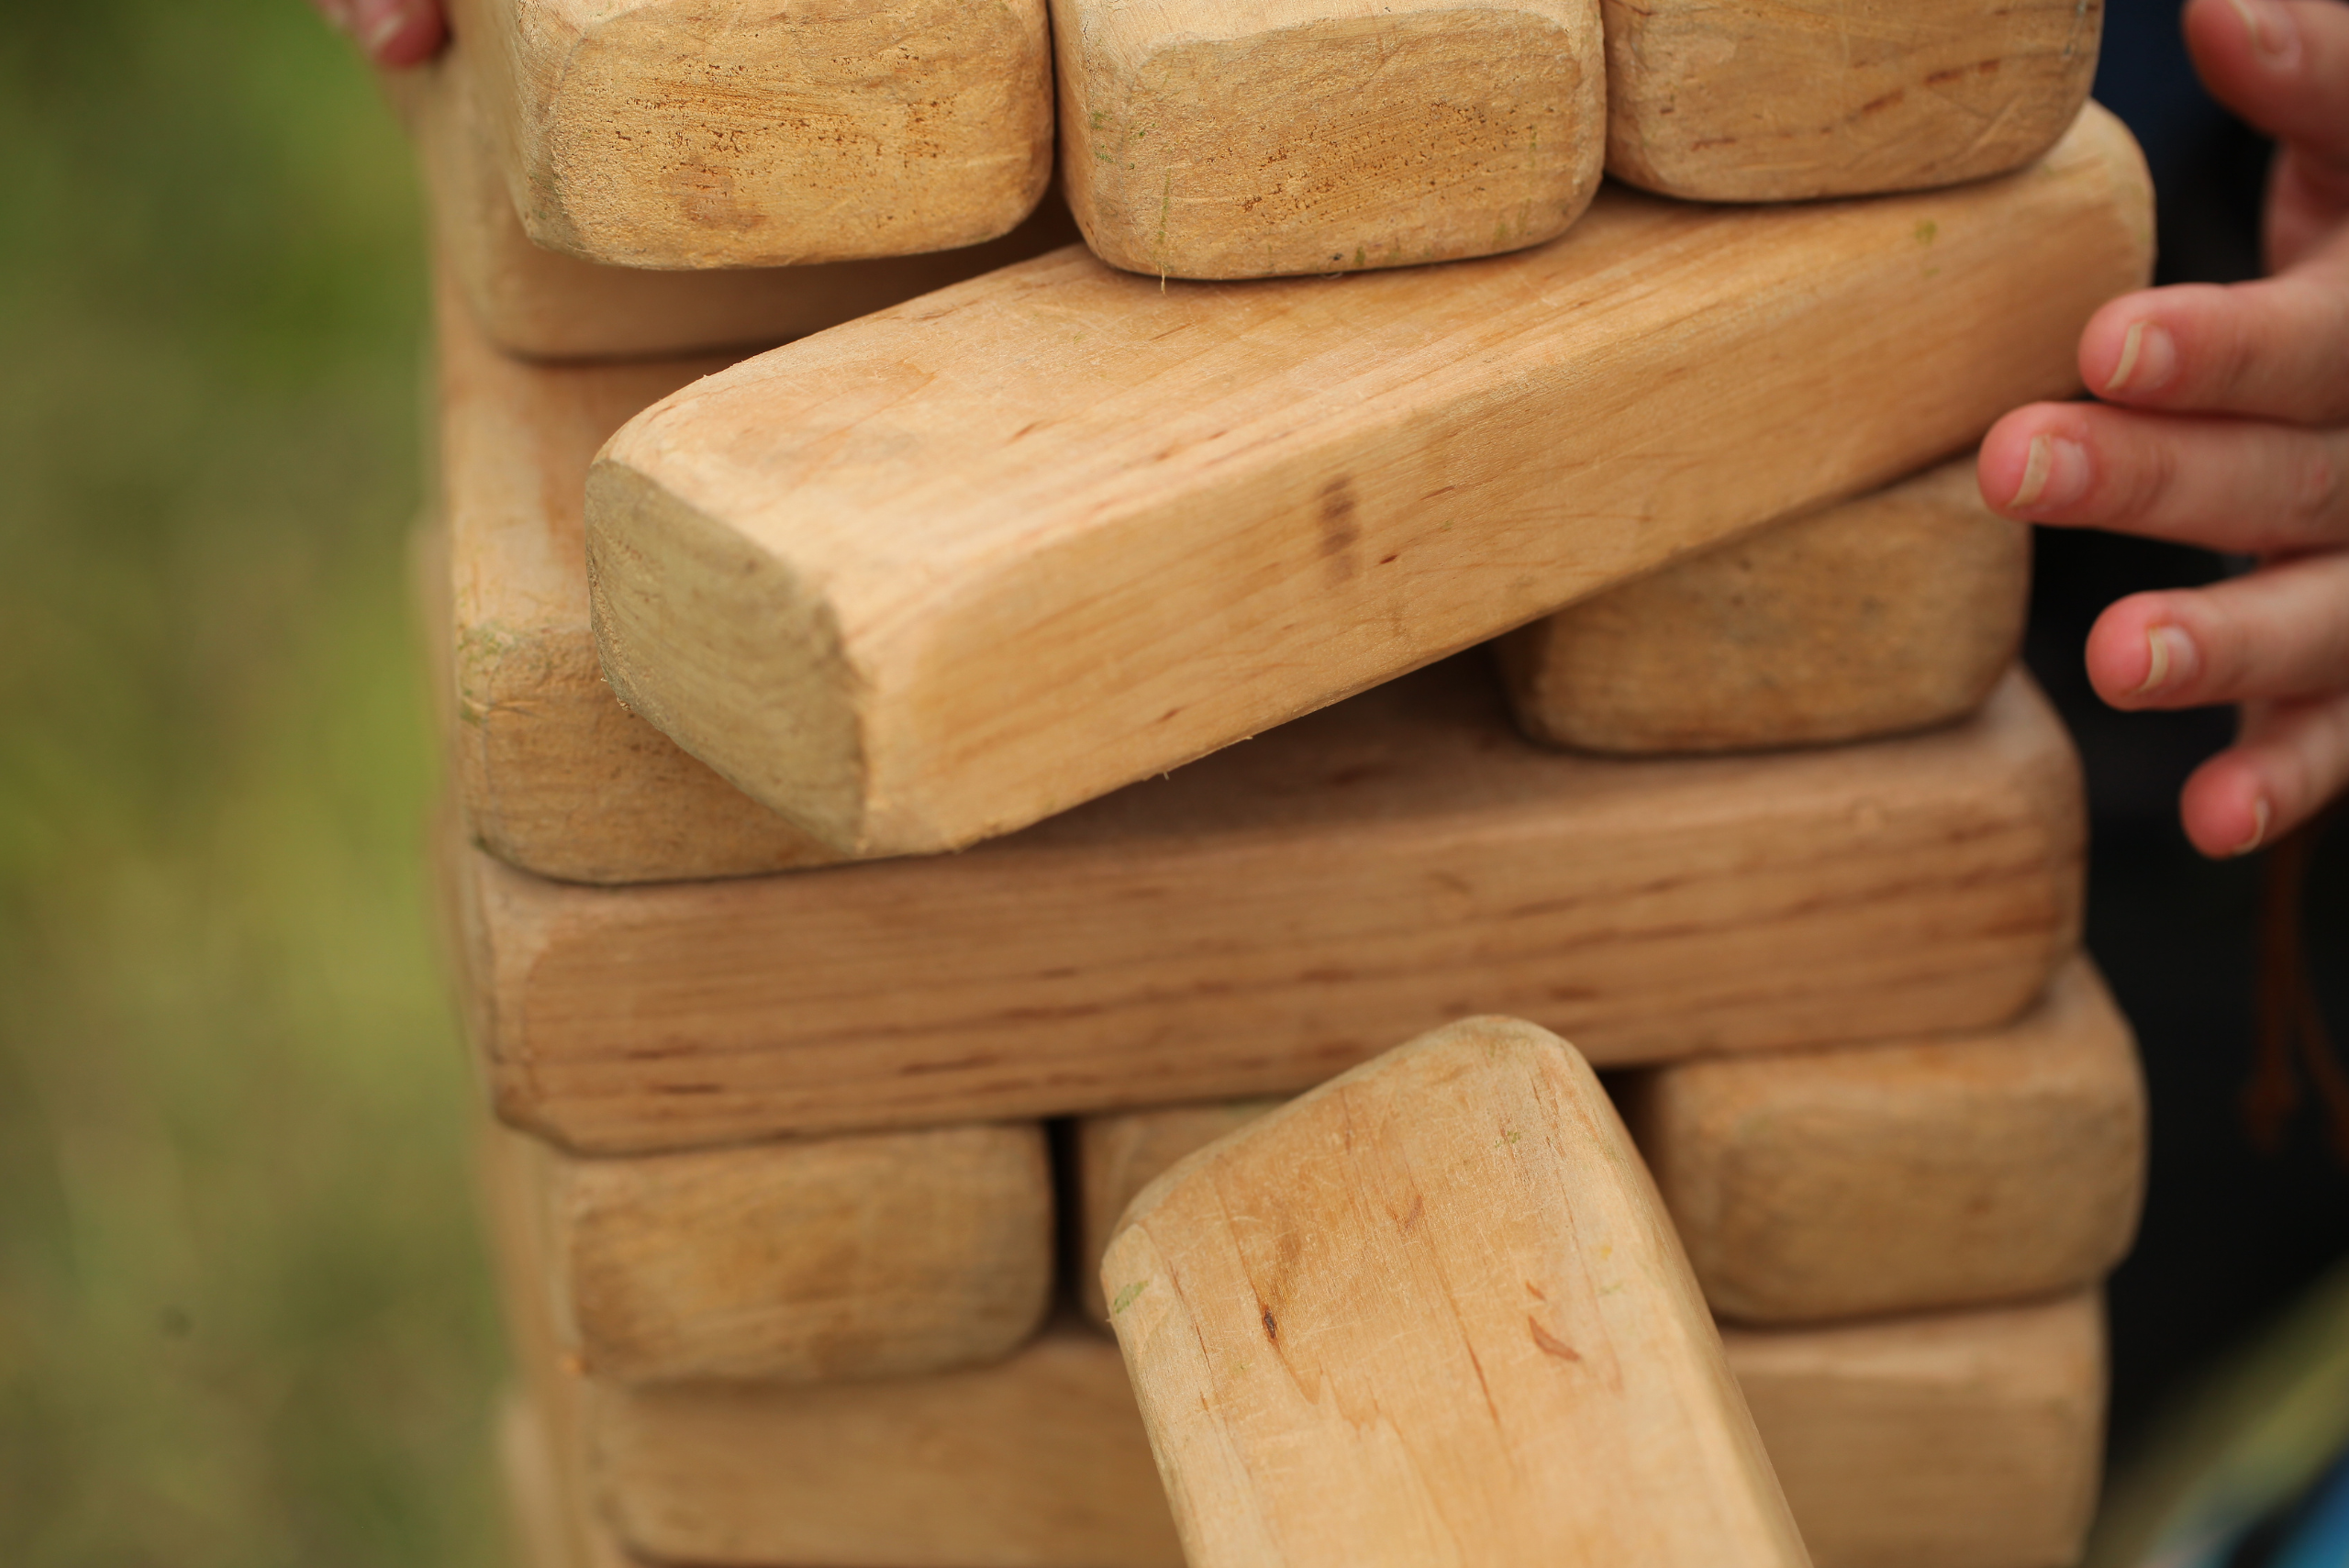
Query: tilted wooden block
[
  {"x": 1207, "y": 140},
  {"x": 881, "y": 1255},
  {"x": 1432, "y": 1314},
  {"x": 1267, "y": 919},
  {"x": 1847, "y": 1184},
  {"x": 729, "y": 133},
  {"x": 551, "y": 773},
  {"x": 958, "y": 565},
  {"x": 1889, "y": 613},
  {"x": 545, "y": 305},
  {"x": 1972, "y": 1439},
  {"x": 1773, "y": 103}
]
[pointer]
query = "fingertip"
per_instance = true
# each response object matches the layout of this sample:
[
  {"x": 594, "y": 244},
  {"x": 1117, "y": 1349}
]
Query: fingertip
[
  {"x": 2141, "y": 654},
  {"x": 403, "y": 33},
  {"x": 2012, "y": 468},
  {"x": 2226, "y": 808}
]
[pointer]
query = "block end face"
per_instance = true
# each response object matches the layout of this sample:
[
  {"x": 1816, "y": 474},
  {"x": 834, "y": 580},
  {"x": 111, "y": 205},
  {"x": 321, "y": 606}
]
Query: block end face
[
  {"x": 1341, "y": 144},
  {"x": 724, "y": 647},
  {"x": 679, "y": 135}
]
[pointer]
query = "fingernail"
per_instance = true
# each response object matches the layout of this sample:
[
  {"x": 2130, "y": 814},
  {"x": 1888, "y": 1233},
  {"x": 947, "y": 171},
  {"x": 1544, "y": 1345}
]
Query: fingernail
[
  {"x": 2275, "y": 36},
  {"x": 2054, "y": 473},
  {"x": 2170, "y": 656},
  {"x": 2259, "y": 819},
  {"x": 2147, "y": 356},
  {"x": 378, "y": 24}
]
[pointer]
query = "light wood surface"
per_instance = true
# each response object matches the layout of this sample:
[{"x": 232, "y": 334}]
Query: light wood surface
[
  {"x": 1117, "y": 1154},
  {"x": 1258, "y": 923},
  {"x": 1972, "y": 1439},
  {"x": 960, "y": 565},
  {"x": 826, "y": 1260},
  {"x": 1845, "y": 97},
  {"x": 551, "y": 1527},
  {"x": 1038, "y": 1463},
  {"x": 550, "y": 771},
  {"x": 545, "y": 305},
  {"x": 1205, "y": 140},
  {"x": 1889, "y": 613},
  {"x": 1966, "y": 1441},
  {"x": 1895, "y": 1178},
  {"x": 1432, "y": 1315},
  {"x": 1868, "y": 1180},
  {"x": 729, "y": 133}
]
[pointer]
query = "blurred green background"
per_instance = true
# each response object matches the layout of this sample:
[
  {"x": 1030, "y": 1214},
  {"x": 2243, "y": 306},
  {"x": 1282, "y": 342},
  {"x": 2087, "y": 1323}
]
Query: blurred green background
[{"x": 243, "y": 1315}]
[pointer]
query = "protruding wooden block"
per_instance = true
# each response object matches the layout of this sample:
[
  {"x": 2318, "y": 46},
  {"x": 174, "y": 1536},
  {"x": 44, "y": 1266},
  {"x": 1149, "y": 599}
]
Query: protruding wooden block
[
  {"x": 1890, "y": 613},
  {"x": 545, "y": 305},
  {"x": 1203, "y": 140},
  {"x": 551, "y": 773},
  {"x": 1432, "y": 1314},
  {"x": 1872, "y": 1179},
  {"x": 1972, "y": 1439},
  {"x": 1849, "y": 97},
  {"x": 829, "y": 1260},
  {"x": 1895, "y": 1178},
  {"x": 960, "y": 565},
  {"x": 732, "y": 133},
  {"x": 1265, "y": 919},
  {"x": 1037, "y": 1462}
]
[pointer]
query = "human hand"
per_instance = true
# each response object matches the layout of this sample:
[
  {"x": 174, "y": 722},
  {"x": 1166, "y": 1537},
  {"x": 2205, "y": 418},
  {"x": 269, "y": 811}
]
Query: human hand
[
  {"x": 393, "y": 32},
  {"x": 2224, "y": 422}
]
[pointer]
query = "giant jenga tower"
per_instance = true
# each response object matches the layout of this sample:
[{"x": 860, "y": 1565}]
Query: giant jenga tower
[{"x": 946, "y": 721}]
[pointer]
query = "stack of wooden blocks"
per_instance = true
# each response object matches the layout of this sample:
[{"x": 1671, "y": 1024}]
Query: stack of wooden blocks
[{"x": 810, "y": 1131}]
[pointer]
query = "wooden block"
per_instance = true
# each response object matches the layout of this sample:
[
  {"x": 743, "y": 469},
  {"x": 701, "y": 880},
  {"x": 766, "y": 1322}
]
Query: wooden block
[
  {"x": 966, "y": 563},
  {"x": 732, "y": 133},
  {"x": 1433, "y": 1314},
  {"x": 1782, "y": 102},
  {"x": 1119, "y": 1153},
  {"x": 1896, "y": 1178},
  {"x": 1206, "y": 140},
  {"x": 1038, "y": 1463},
  {"x": 1265, "y": 919},
  {"x": 545, "y": 305},
  {"x": 883, "y": 1255},
  {"x": 1869, "y": 1180},
  {"x": 1885, "y": 613},
  {"x": 1967, "y": 1441},
  {"x": 551, "y": 1527},
  {"x": 550, "y": 771}
]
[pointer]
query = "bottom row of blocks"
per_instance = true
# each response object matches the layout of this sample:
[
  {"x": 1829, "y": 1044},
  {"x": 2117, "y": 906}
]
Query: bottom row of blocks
[{"x": 1952, "y": 1440}]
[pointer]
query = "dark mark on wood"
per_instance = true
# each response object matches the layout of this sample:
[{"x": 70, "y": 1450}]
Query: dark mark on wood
[{"x": 1550, "y": 1344}]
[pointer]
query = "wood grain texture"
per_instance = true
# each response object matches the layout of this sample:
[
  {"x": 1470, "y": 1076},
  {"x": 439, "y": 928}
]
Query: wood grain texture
[
  {"x": 1265, "y": 919},
  {"x": 826, "y": 1260},
  {"x": 1432, "y": 1315},
  {"x": 1972, "y": 1439},
  {"x": 1898, "y": 1178},
  {"x": 1883, "y": 1178},
  {"x": 733, "y": 133},
  {"x": 1117, "y": 1154},
  {"x": 550, "y": 771},
  {"x": 549, "y": 1525},
  {"x": 1965, "y": 1441},
  {"x": 966, "y": 563},
  {"x": 1780, "y": 101},
  {"x": 542, "y": 303},
  {"x": 1203, "y": 140},
  {"x": 1889, "y": 613},
  {"x": 1037, "y": 1462}
]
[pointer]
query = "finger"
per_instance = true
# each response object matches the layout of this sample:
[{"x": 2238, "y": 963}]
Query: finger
[
  {"x": 393, "y": 32},
  {"x": 2290, "y": 760},
  {"x": 2272, "y": 349},
  {"x": 2282, "y": 631},
  {"x": 2283, "y": 65},
  {"x": 2231, "y": 484}
]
